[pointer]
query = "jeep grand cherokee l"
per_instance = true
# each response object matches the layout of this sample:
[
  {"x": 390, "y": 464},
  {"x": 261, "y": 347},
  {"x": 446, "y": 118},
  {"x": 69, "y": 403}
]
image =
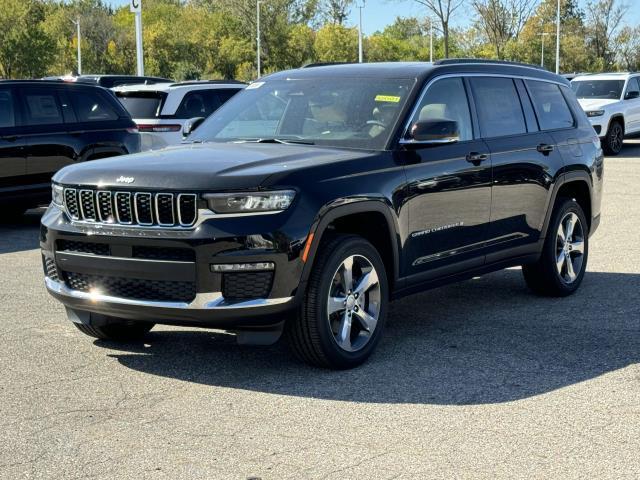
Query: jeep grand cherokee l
[
  {"x": 45, "y": 126},
  {"x": 315, "y": 196}
]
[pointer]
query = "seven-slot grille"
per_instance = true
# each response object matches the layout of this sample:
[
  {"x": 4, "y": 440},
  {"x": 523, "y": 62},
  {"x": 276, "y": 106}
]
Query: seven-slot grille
[{"x": 132, "y": 208}]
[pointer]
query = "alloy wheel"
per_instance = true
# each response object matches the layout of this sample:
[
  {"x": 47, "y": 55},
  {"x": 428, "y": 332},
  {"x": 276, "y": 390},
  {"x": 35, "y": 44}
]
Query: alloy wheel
[
  {"x": 353, "y": 306},
  {"x": 570, "y": 247},
  {"x": 616, "y": 137}
]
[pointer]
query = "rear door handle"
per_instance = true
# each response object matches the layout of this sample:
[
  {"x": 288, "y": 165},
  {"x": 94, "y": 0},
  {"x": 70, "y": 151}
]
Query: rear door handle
[
  {"x": 10, "y": 138},
  {"x": 545, "y": 148},
  {"x": 476, "y": 158}
]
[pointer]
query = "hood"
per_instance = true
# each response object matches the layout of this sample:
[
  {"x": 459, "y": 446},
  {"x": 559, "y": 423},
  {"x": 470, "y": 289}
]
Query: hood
[
  {"x": 210, "y": 166},
  {"x": 595, "y": 103}
]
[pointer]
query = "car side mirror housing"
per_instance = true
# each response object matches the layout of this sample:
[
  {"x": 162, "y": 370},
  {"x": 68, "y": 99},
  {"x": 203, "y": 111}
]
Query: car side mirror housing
[
  {"x": 436, "y": 131},
  {"x": 190, "y": 125},
  {"x": 631, "y": 95}
]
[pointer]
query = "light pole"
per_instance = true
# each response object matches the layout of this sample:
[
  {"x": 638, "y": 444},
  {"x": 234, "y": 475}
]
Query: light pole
[
  {"x": 558, "y": 39},
  {"x": 431, "y": 40},
  {"x": 135, "y": 7},
  {"x": 77, "y": 24},
  {"x": 258, "y": 2},
  {"x": 360, "y": 6},
  {"x": 543, "y": 34}
]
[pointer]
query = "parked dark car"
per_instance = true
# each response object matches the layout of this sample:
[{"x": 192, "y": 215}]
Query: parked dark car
[
  {"x": 315, "y": 196},
  {"x": 110, "y": 81},
  {"x": 45, "y": 126}
]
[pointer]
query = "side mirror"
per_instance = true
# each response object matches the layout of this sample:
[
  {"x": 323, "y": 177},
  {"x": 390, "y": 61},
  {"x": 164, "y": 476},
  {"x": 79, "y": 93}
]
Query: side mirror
[
  {"x": 631, "y": 95},
  {"x": 437, "y": 131},
  {"x": 190, "y": 125}
]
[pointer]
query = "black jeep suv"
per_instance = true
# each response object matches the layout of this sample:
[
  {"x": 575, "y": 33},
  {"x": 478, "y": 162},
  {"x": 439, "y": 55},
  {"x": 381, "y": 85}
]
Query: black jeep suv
[
  {"x": 316, "y": 196},
  {"x": 45, "y": 126}
]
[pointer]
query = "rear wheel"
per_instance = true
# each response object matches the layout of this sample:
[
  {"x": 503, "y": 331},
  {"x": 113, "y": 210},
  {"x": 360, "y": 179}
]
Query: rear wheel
[
  {"x": 116, "y": 329},
  {"x": 345, "y": 305},
  {"x": 561, "y": 267},
  {"x": 614, "y": 139}
]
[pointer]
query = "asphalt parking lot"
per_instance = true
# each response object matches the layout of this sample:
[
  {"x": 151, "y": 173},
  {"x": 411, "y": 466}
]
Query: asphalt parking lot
[{"x": 476, "y": 380}]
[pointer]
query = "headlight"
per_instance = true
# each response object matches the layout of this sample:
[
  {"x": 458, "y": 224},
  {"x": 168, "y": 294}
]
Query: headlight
[
  {"x": 57, "y": 195},
  {"x": 595, "y": 113},
  {"x": 250, "y": 202}
]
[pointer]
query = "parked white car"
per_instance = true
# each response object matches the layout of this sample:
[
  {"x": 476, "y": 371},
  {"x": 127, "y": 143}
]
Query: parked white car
[
  {"x": 161, "y": 110},
  {"x": 612, "y": 103}
]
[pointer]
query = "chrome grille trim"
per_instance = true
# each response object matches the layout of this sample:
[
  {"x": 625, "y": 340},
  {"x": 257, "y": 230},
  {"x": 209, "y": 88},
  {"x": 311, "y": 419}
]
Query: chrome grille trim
[
  {"x": 134, "y": 209},
  {"x": 159, "y": 196},
  {"x": 126, "y": 207}
]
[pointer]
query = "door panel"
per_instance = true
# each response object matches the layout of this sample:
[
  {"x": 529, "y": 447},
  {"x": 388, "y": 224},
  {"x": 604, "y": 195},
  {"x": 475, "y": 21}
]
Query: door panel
[
  {"x": 632, "y": 106},
  {"x": 12, "y": 154}
]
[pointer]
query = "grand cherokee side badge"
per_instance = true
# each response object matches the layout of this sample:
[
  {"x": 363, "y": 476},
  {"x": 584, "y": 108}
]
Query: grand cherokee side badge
[{"x": 123, "y": 179}]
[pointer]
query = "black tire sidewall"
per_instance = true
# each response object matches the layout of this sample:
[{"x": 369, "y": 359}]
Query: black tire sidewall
[
  {"x": 346, "y": 247},
  {"x": 610, "y": 136},
  {"x": 549, "y": 255}
]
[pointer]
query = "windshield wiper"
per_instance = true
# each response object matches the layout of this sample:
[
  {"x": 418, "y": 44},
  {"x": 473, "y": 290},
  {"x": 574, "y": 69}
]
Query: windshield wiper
[{"x": 284, "y": 141}]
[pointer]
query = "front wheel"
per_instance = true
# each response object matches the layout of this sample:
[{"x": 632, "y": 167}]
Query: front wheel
[
  {"x": 345, "y": 306},
  {"x": 563, "y": 262},
  {"x": 614, "y": 139}
]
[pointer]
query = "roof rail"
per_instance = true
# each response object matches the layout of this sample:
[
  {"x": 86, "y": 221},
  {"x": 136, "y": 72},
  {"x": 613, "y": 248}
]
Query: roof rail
[
  {"x": 324, "y": 64},
  {"x": 454, "y": 61},
  {"x": 205, "y": 82}
]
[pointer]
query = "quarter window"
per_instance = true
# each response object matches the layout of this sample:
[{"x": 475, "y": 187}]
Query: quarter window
[
  {"x": 91, "y": 107},
  {"x": 7, "y": 112},
  {"x": 43, "y": 108},
  {"x": 550, "y": 105},
  {"x": 202, "y": 103},
  {"x": 447, "y": 99},
  {"x": 498, "y": 105}
]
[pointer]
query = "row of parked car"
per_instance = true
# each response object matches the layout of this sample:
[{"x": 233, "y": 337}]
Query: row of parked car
[{"x": 50, "y": 123}]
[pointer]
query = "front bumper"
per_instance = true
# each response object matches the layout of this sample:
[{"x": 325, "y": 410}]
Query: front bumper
[{"x": 116, "y": 266}]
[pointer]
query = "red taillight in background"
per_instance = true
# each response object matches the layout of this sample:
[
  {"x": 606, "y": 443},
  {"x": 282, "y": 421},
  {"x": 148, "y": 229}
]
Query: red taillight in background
[
  {"x": 159, "y": 128},
  {"x": 132, "y": 130}
]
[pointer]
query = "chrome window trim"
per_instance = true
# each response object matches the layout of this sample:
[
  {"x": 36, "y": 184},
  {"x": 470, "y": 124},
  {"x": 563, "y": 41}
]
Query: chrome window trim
[
  {"x": 173, "y": 213},
  {"x": 414, "y": 110},
  {"x": 195, "y": 200},
  {"x": 135, "y": 207},
  {"x": 81, "y": 207},
  {"x": 115, "y": 204}
]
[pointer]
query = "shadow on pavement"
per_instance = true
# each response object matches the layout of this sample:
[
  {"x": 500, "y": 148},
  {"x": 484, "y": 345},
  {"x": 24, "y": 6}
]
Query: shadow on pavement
[
  {"x": 21, "y": 234},
  {"x": 482, "y": 341}
]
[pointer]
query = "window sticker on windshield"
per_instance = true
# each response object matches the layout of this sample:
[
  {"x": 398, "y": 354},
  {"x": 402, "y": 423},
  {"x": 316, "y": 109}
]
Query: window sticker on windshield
[
  {"x": 253, "y": 85},
  {"x": 387, "y": 98}
]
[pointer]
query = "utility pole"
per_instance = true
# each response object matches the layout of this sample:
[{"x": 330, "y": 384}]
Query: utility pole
[
  {"x": 360, "y": 6},
  {"x": 136, "y": 8},
  {"x": 543, "y": 34},
  {"x": 258, "y": 2},
  {"x": 558, "y": 39},
  {"x": 77, "y": 24}
]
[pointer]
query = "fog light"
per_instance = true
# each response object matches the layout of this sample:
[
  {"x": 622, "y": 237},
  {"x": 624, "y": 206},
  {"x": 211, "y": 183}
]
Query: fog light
[{"x": 242, "y": 267}]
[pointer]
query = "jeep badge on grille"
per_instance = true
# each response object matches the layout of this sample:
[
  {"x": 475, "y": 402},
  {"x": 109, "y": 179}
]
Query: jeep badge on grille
[{"x": 123, "y": 179}]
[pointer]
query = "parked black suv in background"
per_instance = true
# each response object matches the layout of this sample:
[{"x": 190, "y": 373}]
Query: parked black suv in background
[
  {"x": 315, "y": 196},
  {"x": 110, "y": 81},
  {"x": 45, "y": 126}
]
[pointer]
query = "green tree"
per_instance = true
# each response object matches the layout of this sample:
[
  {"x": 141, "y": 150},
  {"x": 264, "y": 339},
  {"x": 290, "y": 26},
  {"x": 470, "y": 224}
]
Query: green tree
[{"x": 335, "y": 43}]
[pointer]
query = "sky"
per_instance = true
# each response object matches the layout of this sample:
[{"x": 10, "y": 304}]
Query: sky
[{"x": 379, "y": 13}]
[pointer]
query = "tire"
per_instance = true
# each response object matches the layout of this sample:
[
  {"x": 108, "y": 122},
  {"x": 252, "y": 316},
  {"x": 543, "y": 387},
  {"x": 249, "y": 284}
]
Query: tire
[
  {"x": 614, "y": 138},
  {"x": 552, "y": 275},
  {"x": 116, "y": 330},
  {"x": 345, "y": 337}
]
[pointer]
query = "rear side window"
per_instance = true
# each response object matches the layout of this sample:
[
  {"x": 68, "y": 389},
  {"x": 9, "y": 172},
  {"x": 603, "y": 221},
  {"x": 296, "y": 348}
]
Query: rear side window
[
  {"x": 7, "y": 111},
  {"x": 91, "y": 107},
  {"x": 142, "y": 104},
  {"x": 202, "y": 103},
  {"x": 42, "y": 108},
  {"x": 550, "y": 105},
  {"x": 498, "y": 105}
]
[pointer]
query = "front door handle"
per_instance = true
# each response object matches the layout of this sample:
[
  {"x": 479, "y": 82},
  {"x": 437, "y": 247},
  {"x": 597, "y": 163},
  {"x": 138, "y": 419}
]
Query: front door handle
[
  {"x": 545, "y": 148},
  {"x": 476, "y": 158}
]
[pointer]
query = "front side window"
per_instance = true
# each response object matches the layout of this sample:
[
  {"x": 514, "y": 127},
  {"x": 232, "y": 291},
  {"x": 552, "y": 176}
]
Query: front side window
[
  {"x": 632, "y": 85},
  {"x": 340, "y": 112},
  {"x": 498, "y": 105},
  {"x": 43, "y": 108},
  {"x": 446, "y": 99},
  {"x": 550, "y": 105},
  {"x": 91, "y": 107},
  {"x": 202, "y": 103},
  {"x": 7, "y": 111},
  {"x": 602, "y": 89}
]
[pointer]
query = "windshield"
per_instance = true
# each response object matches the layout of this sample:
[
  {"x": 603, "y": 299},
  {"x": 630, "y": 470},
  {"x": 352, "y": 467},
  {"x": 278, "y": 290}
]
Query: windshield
[
  {"x": 142, "y": 104},
  {"x": 340, "y": 112},
  {"x": 609, "y": 89}
]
